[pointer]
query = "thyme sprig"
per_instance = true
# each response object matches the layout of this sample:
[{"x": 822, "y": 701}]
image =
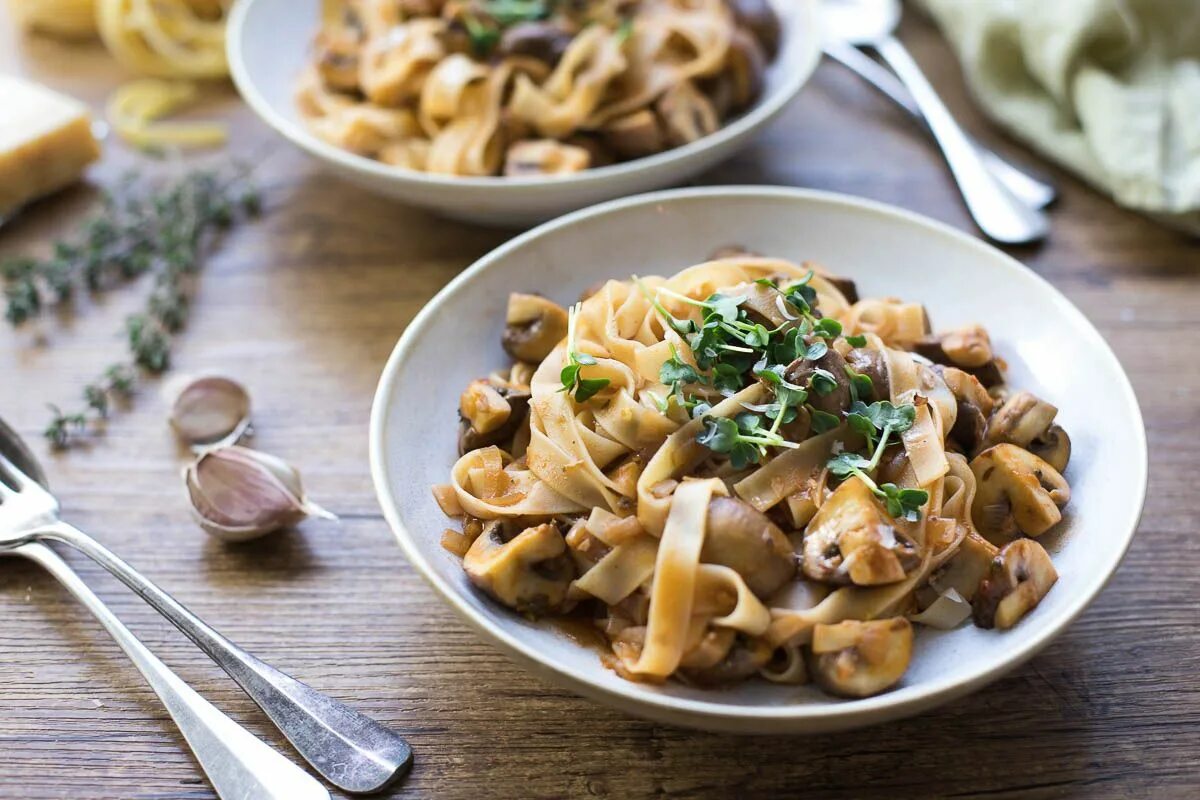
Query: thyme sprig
[{"x": 164, "y": 229}]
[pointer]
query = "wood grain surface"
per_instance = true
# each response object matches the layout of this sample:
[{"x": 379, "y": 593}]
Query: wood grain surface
[{"x": 305, "y": 306}]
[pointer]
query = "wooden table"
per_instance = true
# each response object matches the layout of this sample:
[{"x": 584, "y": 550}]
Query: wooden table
[{"x": 305, "y": 306}]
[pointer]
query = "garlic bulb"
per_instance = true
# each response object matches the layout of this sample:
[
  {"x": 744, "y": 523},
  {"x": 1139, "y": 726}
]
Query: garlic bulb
[
  {"x": 239, "y": 494},
  {"x": 210, "y": 410}
]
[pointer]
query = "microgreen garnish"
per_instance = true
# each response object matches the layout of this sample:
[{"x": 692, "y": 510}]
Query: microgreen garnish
[
  {"x": 861, "y": 386},
  {"x": 822, "y": 381},
  {"x": 573, "y": 382},
  {"x": 742, "y": 438},
  {"x": 827, "y": 328},
  {"x": 822, "y": 421},
  {"x": 857, "y": 341},
  {"x": 876, "y": 423}
]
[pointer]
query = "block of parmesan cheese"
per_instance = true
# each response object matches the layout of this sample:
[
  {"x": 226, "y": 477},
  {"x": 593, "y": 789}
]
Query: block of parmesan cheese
[{"x": 46, "y": 142}]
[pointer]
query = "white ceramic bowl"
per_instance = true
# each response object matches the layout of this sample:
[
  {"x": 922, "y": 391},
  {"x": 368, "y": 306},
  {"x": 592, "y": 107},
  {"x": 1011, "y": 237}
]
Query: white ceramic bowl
[
  {"x": 268, "y": 46},
  {"x": 1052, "y": 349}
]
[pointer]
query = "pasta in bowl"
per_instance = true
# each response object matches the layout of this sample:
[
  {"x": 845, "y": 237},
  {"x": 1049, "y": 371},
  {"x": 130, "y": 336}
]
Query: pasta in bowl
[
  {"x": 744, "y": 470},
  {"x": 1052, "y": 352},
  {"x": 270, "y": 50}
]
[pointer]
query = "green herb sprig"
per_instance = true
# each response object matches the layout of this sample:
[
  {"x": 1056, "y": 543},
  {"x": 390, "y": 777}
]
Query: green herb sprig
[
  {"x": 163, "y": 229},
  {"x": 876, "y": 423},
  {"x": 573, "y": 382}
]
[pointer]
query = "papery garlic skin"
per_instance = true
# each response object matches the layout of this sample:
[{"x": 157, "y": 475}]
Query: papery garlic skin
[
  {"x": 238, "y": 494},
  {"x": 209, "y": 410}
]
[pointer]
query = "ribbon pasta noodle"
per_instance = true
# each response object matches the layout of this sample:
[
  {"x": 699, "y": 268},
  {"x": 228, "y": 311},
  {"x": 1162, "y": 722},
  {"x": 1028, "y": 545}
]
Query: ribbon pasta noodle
[
  {"x": 744, "y": 470},
  {"x": 532, "y": 88}
]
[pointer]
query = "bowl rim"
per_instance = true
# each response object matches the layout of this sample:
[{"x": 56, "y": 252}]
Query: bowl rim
[
  {"x": 843, "y": 714},
  {"x": 807, "y": 23}
]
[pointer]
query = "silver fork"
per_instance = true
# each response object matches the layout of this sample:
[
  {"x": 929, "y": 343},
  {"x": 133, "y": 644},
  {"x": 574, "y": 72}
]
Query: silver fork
[{"x": 351, "y": 750}]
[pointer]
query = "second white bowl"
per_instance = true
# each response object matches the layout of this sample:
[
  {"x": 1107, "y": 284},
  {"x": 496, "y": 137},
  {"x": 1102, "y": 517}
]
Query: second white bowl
[{"x": 268, "y": 44}]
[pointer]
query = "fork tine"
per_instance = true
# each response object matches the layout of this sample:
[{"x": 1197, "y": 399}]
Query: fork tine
[{"x": 12, "y": 479}]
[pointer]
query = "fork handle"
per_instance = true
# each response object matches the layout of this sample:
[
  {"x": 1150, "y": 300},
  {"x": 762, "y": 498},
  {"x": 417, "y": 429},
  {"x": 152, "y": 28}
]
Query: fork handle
[
  {"x": 351, "y": 750},
  {"x": 999, "y": 214},
  {"x": 238, "y": 764}
]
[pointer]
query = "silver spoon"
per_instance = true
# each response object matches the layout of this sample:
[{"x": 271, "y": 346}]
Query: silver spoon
[
  {"x": 997, "y": 212},
  {"x": 350, "y": 750},
  {"x": 238, "y": 764}
]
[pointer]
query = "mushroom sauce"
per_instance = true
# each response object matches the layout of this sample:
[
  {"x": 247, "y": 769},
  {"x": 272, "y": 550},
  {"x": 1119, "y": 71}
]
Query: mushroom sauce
[
  {"x": 531, "y": 87},
  {"x": 745, "y": 470}
]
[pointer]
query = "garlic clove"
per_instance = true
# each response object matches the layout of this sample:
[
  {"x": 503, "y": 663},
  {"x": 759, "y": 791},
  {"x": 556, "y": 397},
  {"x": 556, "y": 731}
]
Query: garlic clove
[
  {"x": 211, "y": 410},
  {"x": 239, "y": 494}
]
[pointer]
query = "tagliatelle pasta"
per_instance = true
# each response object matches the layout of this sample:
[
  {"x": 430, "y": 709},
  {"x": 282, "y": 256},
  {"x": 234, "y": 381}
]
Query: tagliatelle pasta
[
  {"x": 533, "y": 87},
  {"x": 746, "y": 470}
]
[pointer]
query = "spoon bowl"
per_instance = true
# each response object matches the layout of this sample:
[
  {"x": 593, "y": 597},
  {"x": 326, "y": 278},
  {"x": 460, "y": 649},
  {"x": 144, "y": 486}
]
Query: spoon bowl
[{"x": 860, "y": 22}]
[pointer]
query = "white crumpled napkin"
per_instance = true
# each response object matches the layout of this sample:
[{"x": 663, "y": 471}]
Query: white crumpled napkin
[{"x": 1109, "y": 88}]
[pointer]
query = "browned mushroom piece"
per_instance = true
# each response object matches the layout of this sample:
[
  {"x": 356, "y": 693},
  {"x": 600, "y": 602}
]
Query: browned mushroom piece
[
  {"x": 974, "y": 407},
  {"x": 1020, "y": 420},
  {"x": 687, "y": 115},
  {"x": 873, "y": 364},
  {"x": 846, "y": 286},
  {"x": 489, "y": 415},
  {"x": 860, "y": 659},
  {"x": 852, "y": 539},
  {"x": 739, "y": 536},
  {"x": 761, "y": 20},
  {"x": 743, "y": 660},
  {"x": 830, "y": 394},
  {"x": 1016, "y": 492},
  {"x": 1053, "y": 447},
  {"x": 529, "y": 573},
  {"x": 967, "y": 348},
  {"x": 740, "y": 83},
  {"x": 544, "y": 157},
  {"x": 533, "y": 327},
  {"x": 1019, "y": 577},
  {"x": 635, "y": 135},
  {"x": 599, "y": 153},
  {"x": 336, "y": 56},
  {"x": 967, "y": 567},
  {"x": 544, "y": 41}
]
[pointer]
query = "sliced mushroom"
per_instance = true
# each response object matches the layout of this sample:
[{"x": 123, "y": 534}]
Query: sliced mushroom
[
  {"x": 963, "y": 348},
  {"x": 739, "y": 84},
  {"x": 544, "y": 41},
  {"x": 336, "y": 55},
  {"x": 1053, "y": 447},
  {"x": 739, "y": 536},
  {"x": 1016, "y": 492},
  {"x": 859, "y": 659},
  {"x": 974, "y": 406},
  {"x": 635, "y": 135},
  {"x": 846, "y": 286},
  {"x": 852, "y": 539},
  {"x": 530, "y": 573},
  {"x": 873, "y": 364},
  {"x": 743, "y": 660},
  {"x": 533, "y": 327},
  {"x": 686, "y": 113},
  {"x": 713, "y": 646},
  {"x": 968, "y": 346},
  {"x": 489, "y": 415},
  {"x": 831, "y": 401},
  {"x": 967, "y": 567},
  {"x": 1021, "y": 419},
  {"x": 1019, "y": 577},
  {"x": 760, "y": 18},
  {"x": 544, "y": 157},
  {"x": 599, "y": 153}
]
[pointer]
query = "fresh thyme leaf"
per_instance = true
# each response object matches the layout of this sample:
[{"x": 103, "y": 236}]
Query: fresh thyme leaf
[
  {"x": 857, "y": 341},
  {"x": 161, "y": 228}
]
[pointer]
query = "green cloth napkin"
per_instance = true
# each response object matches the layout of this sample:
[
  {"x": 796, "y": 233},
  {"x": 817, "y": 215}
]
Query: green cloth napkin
[{"x": 1109, "y": 88}]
